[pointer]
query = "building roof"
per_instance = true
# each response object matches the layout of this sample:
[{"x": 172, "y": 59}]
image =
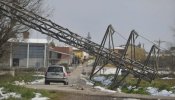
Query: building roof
[
  {"x": 121, "y": 48},
  {"x": 75, "y": 48},
  {"x": 36, "y": 41},
  {"x": 42, "y": 41},
  {"x": 62, "y": 50}
]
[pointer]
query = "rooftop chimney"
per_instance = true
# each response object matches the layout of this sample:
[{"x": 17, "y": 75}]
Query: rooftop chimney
[{"x": 26, "y": 35}]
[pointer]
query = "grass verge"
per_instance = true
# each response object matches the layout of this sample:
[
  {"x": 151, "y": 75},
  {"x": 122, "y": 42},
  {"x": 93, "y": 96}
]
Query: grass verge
[
  {"x": 160, "y": 84},
  {"x": 7, "y": 81}
]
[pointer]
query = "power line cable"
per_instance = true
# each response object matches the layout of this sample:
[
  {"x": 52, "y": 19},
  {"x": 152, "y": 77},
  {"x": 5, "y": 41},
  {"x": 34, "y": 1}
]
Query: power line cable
[
  {"x": 143, "y": 38},
  {"x": 121, "y": 36},
  {"x": 152, "y": 42},
  {"x": 147, "y": 39}
]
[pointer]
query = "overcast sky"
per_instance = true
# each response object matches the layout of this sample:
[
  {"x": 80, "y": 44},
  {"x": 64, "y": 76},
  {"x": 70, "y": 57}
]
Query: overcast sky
[{"x": 152, "y": 19}]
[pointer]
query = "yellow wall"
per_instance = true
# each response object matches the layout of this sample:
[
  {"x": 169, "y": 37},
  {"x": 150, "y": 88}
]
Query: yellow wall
[
  {"x": 140, "y": 53},
  {"x": 78, "y": 53}
]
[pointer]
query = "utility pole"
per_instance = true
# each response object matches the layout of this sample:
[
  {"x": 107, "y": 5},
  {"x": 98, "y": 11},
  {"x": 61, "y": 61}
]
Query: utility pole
[
  {"x": 159, "y": 42},
  {"x": 88, "y": 36}
]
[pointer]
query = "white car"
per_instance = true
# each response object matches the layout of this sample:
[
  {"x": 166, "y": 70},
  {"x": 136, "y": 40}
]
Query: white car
[{"x": 56, "y": 73}]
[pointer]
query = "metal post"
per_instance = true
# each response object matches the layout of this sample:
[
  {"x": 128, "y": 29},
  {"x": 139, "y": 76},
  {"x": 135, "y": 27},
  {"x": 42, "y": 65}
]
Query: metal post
[
  {"x": 45, "y": 51},
  {"x": 11, "y": 55},
  {"x": 28, "y": 55}
]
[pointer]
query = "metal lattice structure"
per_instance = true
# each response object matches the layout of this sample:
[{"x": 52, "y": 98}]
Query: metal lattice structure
[{"x": 103, "y": 55}]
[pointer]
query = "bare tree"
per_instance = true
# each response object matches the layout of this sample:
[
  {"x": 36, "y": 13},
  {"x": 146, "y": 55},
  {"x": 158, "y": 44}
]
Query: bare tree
[{"x": 10, "y": 28}]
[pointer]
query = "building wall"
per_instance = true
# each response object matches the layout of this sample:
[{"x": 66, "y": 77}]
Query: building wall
[
  {"x": 78, "y": 53},
  {"x": 34, "y": 54},
  {"x": 19, "y": 56},
  {"x": 140, "y": 53},
  {"x": 60, "y": 55},
  {"x": 120, "y": 51},
  {"x": 65, "y": 58}
]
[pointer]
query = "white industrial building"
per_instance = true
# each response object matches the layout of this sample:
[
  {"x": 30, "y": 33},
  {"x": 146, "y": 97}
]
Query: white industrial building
[{"x": 29, "y": 53}]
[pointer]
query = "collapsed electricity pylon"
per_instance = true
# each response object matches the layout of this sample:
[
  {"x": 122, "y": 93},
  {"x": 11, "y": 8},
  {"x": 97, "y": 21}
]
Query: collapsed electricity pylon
[
  {"x": 128, "y": 68},
  {"x": 152, "y": 60},
  {"x": 103, "y": 55},
  {"x": 130, "y": 42},
  {"x": 99, "y": 61}
]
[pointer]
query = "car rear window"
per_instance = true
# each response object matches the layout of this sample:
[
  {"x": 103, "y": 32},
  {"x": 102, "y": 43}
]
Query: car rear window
[{"x": 55, "y": 69}]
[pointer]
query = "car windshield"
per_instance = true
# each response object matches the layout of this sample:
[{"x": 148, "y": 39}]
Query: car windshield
[{"x": 55, "y": 69}]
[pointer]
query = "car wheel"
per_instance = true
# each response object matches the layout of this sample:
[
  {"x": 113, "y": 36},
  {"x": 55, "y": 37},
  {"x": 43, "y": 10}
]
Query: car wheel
[{"x": 47, "y": 83}]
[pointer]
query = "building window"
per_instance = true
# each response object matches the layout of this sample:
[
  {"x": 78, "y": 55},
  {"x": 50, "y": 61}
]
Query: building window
[
  {"x": 15, "y": 62},
  {"x": 59, "y": 55}
]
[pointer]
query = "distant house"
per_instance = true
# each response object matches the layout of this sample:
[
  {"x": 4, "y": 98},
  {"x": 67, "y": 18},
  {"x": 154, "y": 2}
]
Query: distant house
[
  {"x": 59, "y": 55},
  {"x": 167, "y": 59},
  {"x": 172, "y": 50},
  {"x": 140, "y": 53},
  {"x": 119, "y": 50},
  {"x": 80, "y": 54}
]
